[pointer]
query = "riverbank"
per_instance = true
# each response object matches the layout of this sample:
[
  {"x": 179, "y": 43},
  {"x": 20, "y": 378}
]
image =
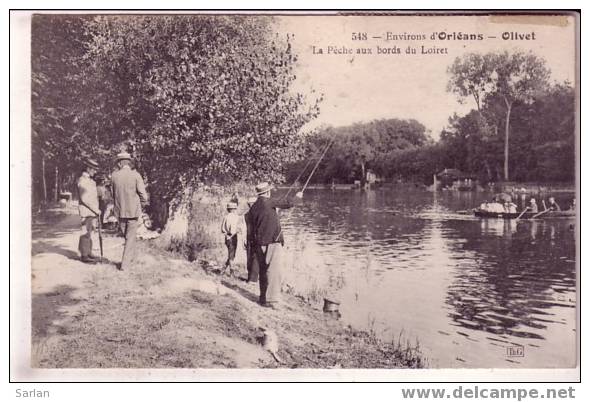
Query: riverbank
[
  {"x": 507, "y": 187},
  {"x": 167, "y": 312}
]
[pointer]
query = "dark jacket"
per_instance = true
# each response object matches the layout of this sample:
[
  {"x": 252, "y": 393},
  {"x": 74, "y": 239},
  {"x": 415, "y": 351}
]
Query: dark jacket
[{"x": 266, "y": 228}]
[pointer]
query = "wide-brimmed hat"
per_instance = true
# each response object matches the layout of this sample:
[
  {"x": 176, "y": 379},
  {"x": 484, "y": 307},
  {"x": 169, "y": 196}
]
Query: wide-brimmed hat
[
  {"x": 123, "y": 156},
  {"x": 232, "y": 205},
  {"x": 91, "y": 163},
  {"x": 263, "y": 187},
  {"x": 252, "y": 200}
]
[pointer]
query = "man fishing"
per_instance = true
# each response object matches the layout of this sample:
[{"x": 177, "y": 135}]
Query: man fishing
[
  {"x": 250, "y": 245},
  {"x": 269, "y": 241}
]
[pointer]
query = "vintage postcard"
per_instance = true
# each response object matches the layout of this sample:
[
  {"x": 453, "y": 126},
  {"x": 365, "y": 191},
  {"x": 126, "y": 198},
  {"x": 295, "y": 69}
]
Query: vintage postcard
[{"x": 336, "y": 196}]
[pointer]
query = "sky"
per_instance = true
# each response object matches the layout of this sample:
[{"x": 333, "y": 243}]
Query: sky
[{"x": 366, "y": 87}]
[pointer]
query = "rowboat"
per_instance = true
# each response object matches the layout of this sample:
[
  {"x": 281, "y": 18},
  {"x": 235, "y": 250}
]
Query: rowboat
[{"x": 527, "y": 215}]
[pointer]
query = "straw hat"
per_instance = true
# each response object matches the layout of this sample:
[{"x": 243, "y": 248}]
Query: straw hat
[
  {"x": 123, "y": 156},
  {"x": 252, "y": 200},
  {"x": 232, "y": 205},
  {"x": 91, "y": 163},
  {"x": 263, "y": 187}
]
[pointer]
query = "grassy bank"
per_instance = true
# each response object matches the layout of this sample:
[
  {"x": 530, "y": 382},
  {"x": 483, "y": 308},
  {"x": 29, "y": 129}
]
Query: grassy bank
[{"x": 169, "y": 312}]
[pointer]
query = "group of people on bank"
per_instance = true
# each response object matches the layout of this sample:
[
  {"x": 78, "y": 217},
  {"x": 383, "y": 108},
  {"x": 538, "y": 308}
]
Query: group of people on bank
[
  {"x": 263, "y": 240},
  {"x": 126, "y": 195}
]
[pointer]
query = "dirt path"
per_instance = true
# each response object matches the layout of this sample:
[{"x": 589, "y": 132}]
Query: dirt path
[{"x": 167, "y": 312}]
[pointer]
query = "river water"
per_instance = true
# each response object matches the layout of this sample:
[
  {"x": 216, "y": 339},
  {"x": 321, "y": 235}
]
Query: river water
[{"x": 406, "y": 265}]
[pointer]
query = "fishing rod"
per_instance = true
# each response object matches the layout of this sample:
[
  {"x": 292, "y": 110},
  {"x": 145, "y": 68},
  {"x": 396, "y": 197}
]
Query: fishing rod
[
  {"x": 317, "y": 164},
  {"x": 308, "y": 179},
  {"x": 298, "y": 177},
  {"x": 305, "y": 168}
]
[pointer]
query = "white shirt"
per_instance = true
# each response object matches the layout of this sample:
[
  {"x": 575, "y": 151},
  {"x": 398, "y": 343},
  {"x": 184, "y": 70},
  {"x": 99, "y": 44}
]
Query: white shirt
[{"x": 231, "y": 224}]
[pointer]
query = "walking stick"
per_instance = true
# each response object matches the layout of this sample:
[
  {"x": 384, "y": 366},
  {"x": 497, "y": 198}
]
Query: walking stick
[{"x": 100, "y": 238}]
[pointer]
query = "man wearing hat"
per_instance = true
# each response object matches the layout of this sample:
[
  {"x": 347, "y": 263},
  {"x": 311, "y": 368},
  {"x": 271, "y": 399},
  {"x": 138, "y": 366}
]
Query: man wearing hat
[
  {"x": 268, "y": 239},
  {"x": 88, "y": 208},
  {"x": 128, "y": 196},
  {"x": 230, "y": 228},
  {"x": 249, "y": 245}
]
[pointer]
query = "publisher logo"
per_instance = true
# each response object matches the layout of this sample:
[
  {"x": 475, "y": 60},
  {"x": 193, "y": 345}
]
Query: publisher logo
[{"x": 515, "y": 351}]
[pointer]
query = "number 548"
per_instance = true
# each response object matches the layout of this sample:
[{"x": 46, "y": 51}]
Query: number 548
[{"x": 359, "y": 36}]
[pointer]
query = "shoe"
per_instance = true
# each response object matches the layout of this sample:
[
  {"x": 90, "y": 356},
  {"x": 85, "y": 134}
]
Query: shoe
[
  {"x": 271, "y": 305},
  {"x": 119, "y": 266},
  {"x": 87, "y": 260}
]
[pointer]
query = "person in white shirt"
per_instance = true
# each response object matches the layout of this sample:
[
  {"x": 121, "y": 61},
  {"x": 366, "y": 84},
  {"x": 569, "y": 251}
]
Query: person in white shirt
[
  {"x": 230, "y": 227},
  {"x": 89, "y": 210}
]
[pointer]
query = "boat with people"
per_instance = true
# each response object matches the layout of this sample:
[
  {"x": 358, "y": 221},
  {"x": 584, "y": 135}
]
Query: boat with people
[
  {"x": 526, "y": 215},
  {"x": 502, "y": 207}
]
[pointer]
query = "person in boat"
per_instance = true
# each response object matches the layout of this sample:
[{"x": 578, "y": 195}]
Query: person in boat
[
  {"x": 495, "y": 207},
  {"x": 553, "y": 206},
  {"x": 533, "y": 207},
  {"x": 510, "y": 207},
  {"x": 573, "y": 206}
]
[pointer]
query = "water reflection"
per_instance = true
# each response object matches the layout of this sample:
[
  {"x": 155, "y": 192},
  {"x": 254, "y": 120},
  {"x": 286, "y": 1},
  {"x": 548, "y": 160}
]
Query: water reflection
[{"x": 466, "y": 287}]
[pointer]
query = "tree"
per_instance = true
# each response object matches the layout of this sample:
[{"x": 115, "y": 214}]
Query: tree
[
  {"x": 208, "y": 98},
  {"x": 514, "y": 77},
  {"x": 56, "y": 48}
]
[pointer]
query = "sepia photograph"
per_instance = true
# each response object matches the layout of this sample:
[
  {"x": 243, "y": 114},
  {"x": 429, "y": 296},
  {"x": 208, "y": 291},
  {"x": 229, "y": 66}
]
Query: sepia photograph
[{"x": 301, "y": 190}]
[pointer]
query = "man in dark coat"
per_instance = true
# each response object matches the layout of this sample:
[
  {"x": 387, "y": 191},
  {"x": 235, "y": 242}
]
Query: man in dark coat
[
  {"x": 250, "y": 246},
  {"x": 269, "y": 241},
  {"x": 128, "y": 196}
]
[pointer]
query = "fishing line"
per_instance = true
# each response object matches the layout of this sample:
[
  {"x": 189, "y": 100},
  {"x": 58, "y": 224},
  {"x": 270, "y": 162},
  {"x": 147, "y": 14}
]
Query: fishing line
[
  {"x": 317, "y": 164},
  {"x": 308, "y": 179},
  {"x": 304, "y": 169},
  {"x": 298, "y": 177}
]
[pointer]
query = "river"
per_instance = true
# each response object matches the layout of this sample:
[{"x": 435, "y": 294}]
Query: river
[{"x": 472, "y": 292}]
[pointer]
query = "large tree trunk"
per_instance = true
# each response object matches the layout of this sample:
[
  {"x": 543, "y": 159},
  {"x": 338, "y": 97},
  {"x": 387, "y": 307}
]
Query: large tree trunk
[
  {"x": 506, "y": 140},
  {"x": 44, "y": 179}
]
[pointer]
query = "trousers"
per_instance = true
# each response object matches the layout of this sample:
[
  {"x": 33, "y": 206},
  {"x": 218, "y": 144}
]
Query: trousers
[
  {"x": 85, "y": 244},
  {"x": 270, "y": 265},
  {"x": 129, "y": 229},
  {"x": 232, "y": 245},
  {"x": 252, "y": 263}
]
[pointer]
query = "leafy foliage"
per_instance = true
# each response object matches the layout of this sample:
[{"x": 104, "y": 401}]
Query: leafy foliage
[
  {"x": 511, "y": 77},
  {"x": 198, "y": 99}
]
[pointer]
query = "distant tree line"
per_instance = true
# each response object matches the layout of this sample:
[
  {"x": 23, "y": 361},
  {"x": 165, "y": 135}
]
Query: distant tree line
[{"x": 523, "y": 129}]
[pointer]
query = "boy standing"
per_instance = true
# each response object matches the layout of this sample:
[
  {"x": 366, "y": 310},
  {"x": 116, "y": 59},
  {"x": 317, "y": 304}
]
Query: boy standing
[{"x": 230, "y": 228}]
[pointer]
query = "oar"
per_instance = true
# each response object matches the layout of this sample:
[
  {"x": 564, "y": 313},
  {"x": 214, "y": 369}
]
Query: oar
[
  {"x": 540, "y": 213},
  {"x": 522, "y": 213}
]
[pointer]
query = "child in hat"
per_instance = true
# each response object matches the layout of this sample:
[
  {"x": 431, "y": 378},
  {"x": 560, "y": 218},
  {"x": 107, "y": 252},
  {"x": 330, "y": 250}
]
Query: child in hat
[{"x": 230, "y": 227}]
